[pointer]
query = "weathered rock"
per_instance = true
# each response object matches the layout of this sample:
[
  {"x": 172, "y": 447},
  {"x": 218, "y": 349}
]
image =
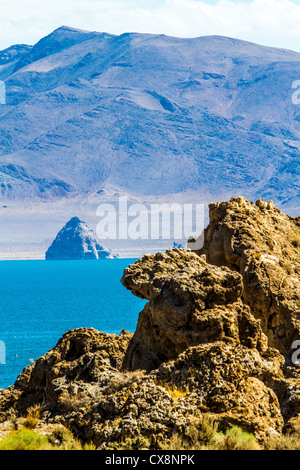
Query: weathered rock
[
  {"x": 76, "y": 241},
  {"x": 79, "y": 384},
  {"x": 190, "y": 303},
  {"x": 263, "y": 245},
  {"x": 232, "y": 382},
  {"x": 81, "y": 355}
]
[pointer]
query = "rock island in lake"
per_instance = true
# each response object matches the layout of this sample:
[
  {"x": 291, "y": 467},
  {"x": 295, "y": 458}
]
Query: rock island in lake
[{"x": 76, "y": 241}]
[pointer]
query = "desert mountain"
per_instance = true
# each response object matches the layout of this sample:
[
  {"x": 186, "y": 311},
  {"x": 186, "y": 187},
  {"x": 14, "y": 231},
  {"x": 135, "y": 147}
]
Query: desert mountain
[{"x": 148, "y": 115}]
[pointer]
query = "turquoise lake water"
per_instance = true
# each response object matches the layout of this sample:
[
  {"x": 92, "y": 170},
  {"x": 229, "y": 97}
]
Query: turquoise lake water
[{"x": 41, "y": 300}]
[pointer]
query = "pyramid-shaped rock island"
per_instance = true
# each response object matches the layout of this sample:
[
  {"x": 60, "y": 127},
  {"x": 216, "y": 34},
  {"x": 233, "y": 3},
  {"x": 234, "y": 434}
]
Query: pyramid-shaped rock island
[{"x": 76, "y": 241}]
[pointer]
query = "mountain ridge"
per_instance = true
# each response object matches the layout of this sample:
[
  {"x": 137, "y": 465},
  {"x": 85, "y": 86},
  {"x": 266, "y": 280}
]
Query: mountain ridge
[
  {"x": 71, "y": 77},
  {"x": 91, "y": 116}
]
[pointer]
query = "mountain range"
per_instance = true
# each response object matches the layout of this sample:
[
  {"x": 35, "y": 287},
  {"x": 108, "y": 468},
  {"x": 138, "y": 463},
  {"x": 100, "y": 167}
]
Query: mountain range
[{"x": 91, "y": 116}]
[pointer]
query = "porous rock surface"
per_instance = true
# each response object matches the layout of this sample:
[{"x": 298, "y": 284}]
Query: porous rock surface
[
  {"x": 204, "y": 343},
  {"x": 263, "y": 245},
  {"x": 190, "y": 303}
]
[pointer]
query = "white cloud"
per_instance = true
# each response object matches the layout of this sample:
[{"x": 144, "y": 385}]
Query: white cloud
[{"x": 269, "y": 22}]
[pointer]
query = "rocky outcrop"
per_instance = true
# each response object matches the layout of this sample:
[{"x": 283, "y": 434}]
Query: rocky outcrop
[
  {"x": 76, "y": 241},
  {"x": 242, "y": 288},
  {"x": 204, "y": 345},
  {"x": 80, "y": 384},
  {"x": 263, "y": 245},
  {"x": 190, "y": 303}
]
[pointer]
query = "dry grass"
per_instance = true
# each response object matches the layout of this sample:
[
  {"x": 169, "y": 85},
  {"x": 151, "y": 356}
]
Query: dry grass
[
  {"x": 235, "y": 439},
  {"x": 33, "y": 417},
  {"x": 175, "y": 392},
  {"x": 284, "y": 442},
  {"x": 59, "y": 438},
  {"x": 197, "y": 435},
  {"x": 295, "y": 240}
]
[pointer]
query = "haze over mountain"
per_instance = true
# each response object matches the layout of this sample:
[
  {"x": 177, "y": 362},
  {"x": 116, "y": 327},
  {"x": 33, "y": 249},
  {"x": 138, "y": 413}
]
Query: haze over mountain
[{"x": 90, "y": 115}]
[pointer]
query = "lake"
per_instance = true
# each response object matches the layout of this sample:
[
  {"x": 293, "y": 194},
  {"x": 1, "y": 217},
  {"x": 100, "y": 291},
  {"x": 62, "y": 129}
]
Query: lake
[{"x": 41, "y": 300}]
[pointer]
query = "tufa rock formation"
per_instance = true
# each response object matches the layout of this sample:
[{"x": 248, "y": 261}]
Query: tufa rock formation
[
  {"x": 263, "y": 245},
  {"x": 76, "y": 241},
  {"x": 81, "y": 384},
  {"x": 190, "y": 303},
  {"x": 213, "y": 339}
]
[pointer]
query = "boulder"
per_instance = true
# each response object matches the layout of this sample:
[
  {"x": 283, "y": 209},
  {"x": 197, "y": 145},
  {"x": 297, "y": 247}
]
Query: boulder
[{"x": 190, "y": 302}]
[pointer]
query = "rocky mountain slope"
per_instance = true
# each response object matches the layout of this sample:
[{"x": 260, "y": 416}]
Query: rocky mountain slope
[
  {"x": 215, "y": 339},
  {"x": 91, "y": 113}
]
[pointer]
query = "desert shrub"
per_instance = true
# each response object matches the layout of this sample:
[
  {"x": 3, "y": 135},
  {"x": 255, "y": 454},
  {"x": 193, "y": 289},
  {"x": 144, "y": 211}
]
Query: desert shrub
[
  {"x": 177, "y": 442},
  {"x": 128, "y": 443},
  {"x": 69, "y": 402},
  {"x": 202, "y": 434},
  {"x": 201, "y": 430},
  {"x": 58, "y": 439},
  {"x": 24, "y": 439},
  {"x": 295, "y": 240},
  {"x": 33, "y": 417},
  {"x": 63, "y": 439},
  {"x": 197, "y": 435},
  {"x": 235, "y": 439},
  {"x": 175, "y": 392},
  {"x": 284, "y": 442}
]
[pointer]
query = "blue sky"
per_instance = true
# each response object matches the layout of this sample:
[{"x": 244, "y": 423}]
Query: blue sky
[{"x": 269, "y": 22}]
